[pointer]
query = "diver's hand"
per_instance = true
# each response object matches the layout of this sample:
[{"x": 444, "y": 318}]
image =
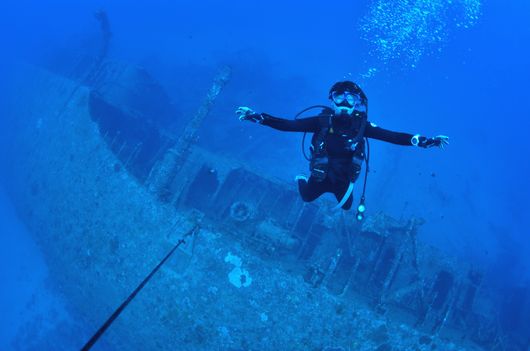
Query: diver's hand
[
  {"x": 247, "y": 114},
  {"x": 439, "y": 141}
]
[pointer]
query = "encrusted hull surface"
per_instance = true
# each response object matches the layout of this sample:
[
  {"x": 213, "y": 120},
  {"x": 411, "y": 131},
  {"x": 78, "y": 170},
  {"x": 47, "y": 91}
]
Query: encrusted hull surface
[{"x": 102, "y": 231}]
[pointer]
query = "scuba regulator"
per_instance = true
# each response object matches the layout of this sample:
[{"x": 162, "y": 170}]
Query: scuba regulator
[{"x": 362, "y": 207}]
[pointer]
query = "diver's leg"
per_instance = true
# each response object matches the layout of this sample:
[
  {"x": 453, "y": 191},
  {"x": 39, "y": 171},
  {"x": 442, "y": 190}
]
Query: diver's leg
[
  {"x": 310, "y": 189},
  {"x": 340, "y": 189}
]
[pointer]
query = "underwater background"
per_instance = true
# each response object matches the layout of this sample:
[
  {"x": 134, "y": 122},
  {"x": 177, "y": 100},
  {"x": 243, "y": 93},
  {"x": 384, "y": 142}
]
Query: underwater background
[{"x": 458, "y": 68}]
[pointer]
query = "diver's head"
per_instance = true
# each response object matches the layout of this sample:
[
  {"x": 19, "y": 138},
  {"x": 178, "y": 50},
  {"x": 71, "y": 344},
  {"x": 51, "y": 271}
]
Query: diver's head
[{"x": 347, "y": 97}]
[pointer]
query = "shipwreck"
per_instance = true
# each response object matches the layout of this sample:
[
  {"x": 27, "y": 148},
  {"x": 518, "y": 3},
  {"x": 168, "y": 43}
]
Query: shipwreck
[{"x": 106, "y": 191}]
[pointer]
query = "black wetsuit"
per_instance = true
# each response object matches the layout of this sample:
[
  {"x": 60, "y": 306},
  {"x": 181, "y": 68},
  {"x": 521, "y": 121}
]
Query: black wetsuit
[{"x": 344, "y": 160}]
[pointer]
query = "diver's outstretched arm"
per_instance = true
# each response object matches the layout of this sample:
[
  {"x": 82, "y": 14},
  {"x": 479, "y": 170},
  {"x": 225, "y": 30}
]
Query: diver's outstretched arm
[
  {"x": 375, "y": 132},
  {"x": 311, "y": 124}
]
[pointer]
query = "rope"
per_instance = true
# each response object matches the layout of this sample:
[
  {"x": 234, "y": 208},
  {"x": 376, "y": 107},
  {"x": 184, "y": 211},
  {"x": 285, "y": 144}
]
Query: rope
[{"x": 124, "y": 304}]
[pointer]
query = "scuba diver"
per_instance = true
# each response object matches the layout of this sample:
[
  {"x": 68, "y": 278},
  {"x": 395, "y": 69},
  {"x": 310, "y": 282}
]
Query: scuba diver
[{"x": 338, "y": 146}]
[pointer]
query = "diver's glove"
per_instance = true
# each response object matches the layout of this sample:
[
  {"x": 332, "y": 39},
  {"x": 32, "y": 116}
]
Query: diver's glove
[
  {"x": 438, "y": 141},
  {"x": 247, "y": 114}
]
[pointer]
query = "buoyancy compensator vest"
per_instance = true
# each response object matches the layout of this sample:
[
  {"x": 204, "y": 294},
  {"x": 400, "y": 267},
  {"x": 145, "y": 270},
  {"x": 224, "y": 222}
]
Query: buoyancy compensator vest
[
  {"x": 319, "y": 160},
  {"x": 352, "y": 139}
]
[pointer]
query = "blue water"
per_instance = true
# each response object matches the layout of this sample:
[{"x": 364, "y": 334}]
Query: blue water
[
  {"x": 465, "y": 76},
  {"x": 23, "y": 271},
  {"x": 34, "y": 316}
]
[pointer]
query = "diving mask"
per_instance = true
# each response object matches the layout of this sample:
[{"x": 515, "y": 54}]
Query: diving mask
[{"x": 345, "y": 97}]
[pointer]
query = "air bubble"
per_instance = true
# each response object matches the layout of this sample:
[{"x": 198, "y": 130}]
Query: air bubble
[{"x": 406, "y": 30}]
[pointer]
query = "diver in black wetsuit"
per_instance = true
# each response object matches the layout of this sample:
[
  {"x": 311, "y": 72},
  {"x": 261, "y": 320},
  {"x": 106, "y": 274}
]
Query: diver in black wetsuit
[{"x": 337, "y": 146}]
